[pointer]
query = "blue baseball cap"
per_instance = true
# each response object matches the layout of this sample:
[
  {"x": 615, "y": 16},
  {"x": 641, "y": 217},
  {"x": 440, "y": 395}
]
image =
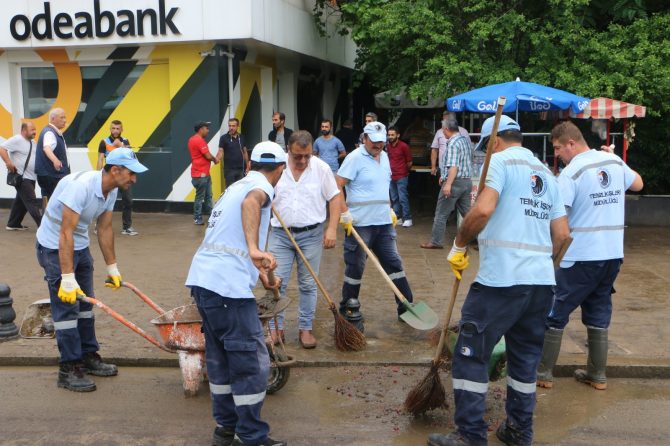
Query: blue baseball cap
[
  {"x": 268, "y": 152},
  {"x": 376, "y": 131},
  {"x": 123, "y": 156},
  {"x": 506, "y": 123}
]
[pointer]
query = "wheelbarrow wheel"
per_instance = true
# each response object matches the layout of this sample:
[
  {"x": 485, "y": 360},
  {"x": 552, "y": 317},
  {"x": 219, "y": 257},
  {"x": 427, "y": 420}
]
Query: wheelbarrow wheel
[{"x": 278, "y": 375}]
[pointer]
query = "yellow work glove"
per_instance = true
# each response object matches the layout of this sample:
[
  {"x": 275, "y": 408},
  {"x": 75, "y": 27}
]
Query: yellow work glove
[
  {"x": 69, "y": 289},
  {"x": 113, "y": 277},
  {"x": 394, "y": 218},
  {"x": 458, "y": 260},
  {"x": 347, "y": 222}
]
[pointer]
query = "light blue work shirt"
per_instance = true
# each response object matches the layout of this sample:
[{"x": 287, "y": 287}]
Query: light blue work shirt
[
  {"x": 222, "y": 263},
  {"x": 81, "y": 192},
  {"x": 593, "y": 187},
  {"x": 329, "y": 150},
  {"x": 368, "y": 187},
  {"x": 515, "y": 247}
]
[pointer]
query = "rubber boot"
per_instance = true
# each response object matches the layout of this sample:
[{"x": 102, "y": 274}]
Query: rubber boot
[
  {"x": 594, "y": 375},
  {"x": 71, "y": 377},
  {"x": 550, "y": 351},
  {"x": 93, "y": 365}
]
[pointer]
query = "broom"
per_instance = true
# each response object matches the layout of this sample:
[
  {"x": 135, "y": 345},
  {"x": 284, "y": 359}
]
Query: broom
[
  {"x": 429, "y": 393},
  {"x": 347, "y": 337}
]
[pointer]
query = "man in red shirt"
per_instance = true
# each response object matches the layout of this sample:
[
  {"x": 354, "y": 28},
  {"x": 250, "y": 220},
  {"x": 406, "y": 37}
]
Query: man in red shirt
[
  {"x": 400, "y": 158},
  {"x": 201, "y": 160}
]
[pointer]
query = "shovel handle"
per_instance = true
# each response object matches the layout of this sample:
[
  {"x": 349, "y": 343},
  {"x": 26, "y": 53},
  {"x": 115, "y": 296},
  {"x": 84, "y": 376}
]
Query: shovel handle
[
  {"x": 489, "y": 146},
  {"x": 379, "y": 266},
  {"x": 272, "y": 279},
  {"x": 304, "y": 259},
  {"x": 143, "y": 296},
  {"x": 445, "y": 328},
  {"x": 125, "y": 322}
]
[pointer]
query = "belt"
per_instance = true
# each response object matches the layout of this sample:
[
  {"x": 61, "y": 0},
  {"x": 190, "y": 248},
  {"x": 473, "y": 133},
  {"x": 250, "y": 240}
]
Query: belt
[{"x": 303, "y": 229}]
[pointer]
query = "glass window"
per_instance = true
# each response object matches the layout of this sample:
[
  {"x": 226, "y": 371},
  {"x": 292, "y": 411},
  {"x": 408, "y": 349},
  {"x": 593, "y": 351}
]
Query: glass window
[{"x": 103, "y": 88}]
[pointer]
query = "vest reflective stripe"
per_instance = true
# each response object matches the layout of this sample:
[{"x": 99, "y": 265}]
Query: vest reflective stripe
[
  {"x": 220, "y": 389},
  {"x": 516, "y": 245},
  {"x": 515, "y": 162},
  {"x": 599, "y": 228},
  {"x": 351, "y": 281},
  {"x": 85, "y": 315},
  {"x": 398, "y": 275},
  {"x": 223, "y": 248},
  {"x": 248, "y": 400},
  {"x": 59, "y": 222},
  {"x": 367, "y": 203},
  {"x": 65, "y": 325},
  {"x": 594, "y": 165},
  {"x": 470, "y": 386},
  {"x": 519, "y": 386}
]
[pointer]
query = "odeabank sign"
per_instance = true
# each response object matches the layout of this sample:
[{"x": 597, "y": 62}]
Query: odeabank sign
[{"x": 101, "y": 23}]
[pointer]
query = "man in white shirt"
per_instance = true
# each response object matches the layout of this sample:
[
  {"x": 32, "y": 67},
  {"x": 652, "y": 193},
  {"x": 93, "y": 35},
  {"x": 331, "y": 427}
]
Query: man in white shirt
[
  {"x": 305, "y": 188},
  {"x": 18, "y": 153}
]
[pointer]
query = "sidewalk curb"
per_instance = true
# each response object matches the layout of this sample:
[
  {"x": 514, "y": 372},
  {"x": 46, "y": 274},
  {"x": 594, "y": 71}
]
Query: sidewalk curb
[{"x": 640, "y": 371}]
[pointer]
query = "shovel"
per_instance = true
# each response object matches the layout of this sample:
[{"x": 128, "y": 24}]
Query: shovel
[{"x": 418, "y": 314}]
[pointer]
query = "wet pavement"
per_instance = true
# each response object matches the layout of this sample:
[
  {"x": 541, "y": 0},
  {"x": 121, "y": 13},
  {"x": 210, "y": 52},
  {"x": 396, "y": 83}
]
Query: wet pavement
[
  {"x": 357, "y": 406},
  {"x": 158, "y": 259}
]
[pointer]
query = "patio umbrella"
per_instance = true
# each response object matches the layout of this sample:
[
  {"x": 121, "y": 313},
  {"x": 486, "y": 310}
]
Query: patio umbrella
[{"x": 521, "y": 96}]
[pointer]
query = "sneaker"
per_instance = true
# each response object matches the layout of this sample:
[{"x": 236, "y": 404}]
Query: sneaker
[
  {"x": 268, "y": 442},
  {"x": 129, "y": 231},
  {"x": 450, "y": 439},
  {"x": 511, "y": 436},
  {"x": 93, "y": 365},
  {"x": 16, "y": 228},
  {"x": 198, "y": 221},
  {"x": 71, "y": 377},
  {"x": 223, "y": 436},
  {"x": 407, "y": 223}
]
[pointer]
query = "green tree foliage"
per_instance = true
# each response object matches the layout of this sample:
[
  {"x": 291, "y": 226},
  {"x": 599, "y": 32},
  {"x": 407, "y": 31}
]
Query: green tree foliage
[{"x": 618, "y": 49}]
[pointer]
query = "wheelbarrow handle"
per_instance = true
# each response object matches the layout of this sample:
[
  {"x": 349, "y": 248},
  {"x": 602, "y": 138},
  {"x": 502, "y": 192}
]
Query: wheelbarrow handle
[
  {"x": 142, "y": 296},
  {"x": 124, "y": 321}
]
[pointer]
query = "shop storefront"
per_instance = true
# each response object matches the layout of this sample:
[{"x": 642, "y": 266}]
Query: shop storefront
[{"x": 160, "y": 65}]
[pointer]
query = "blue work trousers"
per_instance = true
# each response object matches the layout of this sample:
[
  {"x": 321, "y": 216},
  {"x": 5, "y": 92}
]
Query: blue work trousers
[
  {"x": 517, "y": 312},
  {"x": 381, "y": 239},
  {"x": 203, "y": 196},
  {"x": 74, "y": 323},
  {"x": 238, "y": 364},
  {"x": 585, "y": 284},
  {"x": 311, "y": 244},
  {"x": 400, "y": 198}
]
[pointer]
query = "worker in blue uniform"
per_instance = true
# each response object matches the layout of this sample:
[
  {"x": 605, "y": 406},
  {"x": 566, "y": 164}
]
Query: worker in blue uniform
[
  {"x": 63, "y": 251},
  {"x": 223, "y": 274},
  {"x": 593, "y": 186},
  {"x": 519, "y": 221}
]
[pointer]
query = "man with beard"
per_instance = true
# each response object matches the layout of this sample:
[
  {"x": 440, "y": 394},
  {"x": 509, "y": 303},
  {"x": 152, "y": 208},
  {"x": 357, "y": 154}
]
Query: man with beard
[
  {"x": 328, "y": 147},
  {"x": 400, "y": 158},
  {"x": 280, "y": 133}
]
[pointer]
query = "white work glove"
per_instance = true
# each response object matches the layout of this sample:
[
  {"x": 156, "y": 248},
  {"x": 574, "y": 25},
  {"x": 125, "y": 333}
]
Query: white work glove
[
  {"x": 347, "y": 222},
  {"x": 69, "y": 289},
  {"x": 113, "y": 277},
  {"x": 458, "y": 260}
]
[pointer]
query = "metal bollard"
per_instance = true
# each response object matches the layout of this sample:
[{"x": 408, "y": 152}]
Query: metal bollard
[{"x": 8, "y": 330}]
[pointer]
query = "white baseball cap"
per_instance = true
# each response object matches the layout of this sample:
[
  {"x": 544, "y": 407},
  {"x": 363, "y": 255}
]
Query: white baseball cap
[
  {"x": 506, "y": 123},
  {"x": 268, "y": 152},
  {"x": 376, "y": 131}
]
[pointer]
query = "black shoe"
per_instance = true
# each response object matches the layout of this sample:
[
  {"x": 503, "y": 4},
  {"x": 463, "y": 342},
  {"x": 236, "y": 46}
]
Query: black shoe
[
  {"x": 93, "y": 365},
  {"x": 71, "y": 377},
  {"x": 511, "y": 436},
  {"x": 268, "y": 442},
  {"x": 450, "y": 439},
  {"x": 223, "y": 436}
]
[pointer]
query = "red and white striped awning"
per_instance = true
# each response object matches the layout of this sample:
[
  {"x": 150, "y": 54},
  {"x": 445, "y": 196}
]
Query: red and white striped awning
[{"x": 606, "y": 108}]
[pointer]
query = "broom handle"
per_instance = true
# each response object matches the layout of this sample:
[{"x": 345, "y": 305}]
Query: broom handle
[
  {"x": 304, "y": 259},
  {"x": 375, "y": 260},
  {"x": 443, "y": 334},
  {"x": 561, "y": 252},
  {"x": 489, "y": 146}
]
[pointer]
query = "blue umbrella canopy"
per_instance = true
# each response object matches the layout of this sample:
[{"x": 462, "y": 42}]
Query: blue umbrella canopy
[{"x": 521, "y": 96}]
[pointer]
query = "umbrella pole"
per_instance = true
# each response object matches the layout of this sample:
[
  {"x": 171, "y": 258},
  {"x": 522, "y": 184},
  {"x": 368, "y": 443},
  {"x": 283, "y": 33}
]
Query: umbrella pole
[{"x": 625, "y": 141}]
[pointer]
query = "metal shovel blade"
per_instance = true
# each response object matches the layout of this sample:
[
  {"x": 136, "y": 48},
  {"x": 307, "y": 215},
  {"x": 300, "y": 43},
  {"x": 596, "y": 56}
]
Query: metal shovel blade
[{"x": 419, "y": 316}]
